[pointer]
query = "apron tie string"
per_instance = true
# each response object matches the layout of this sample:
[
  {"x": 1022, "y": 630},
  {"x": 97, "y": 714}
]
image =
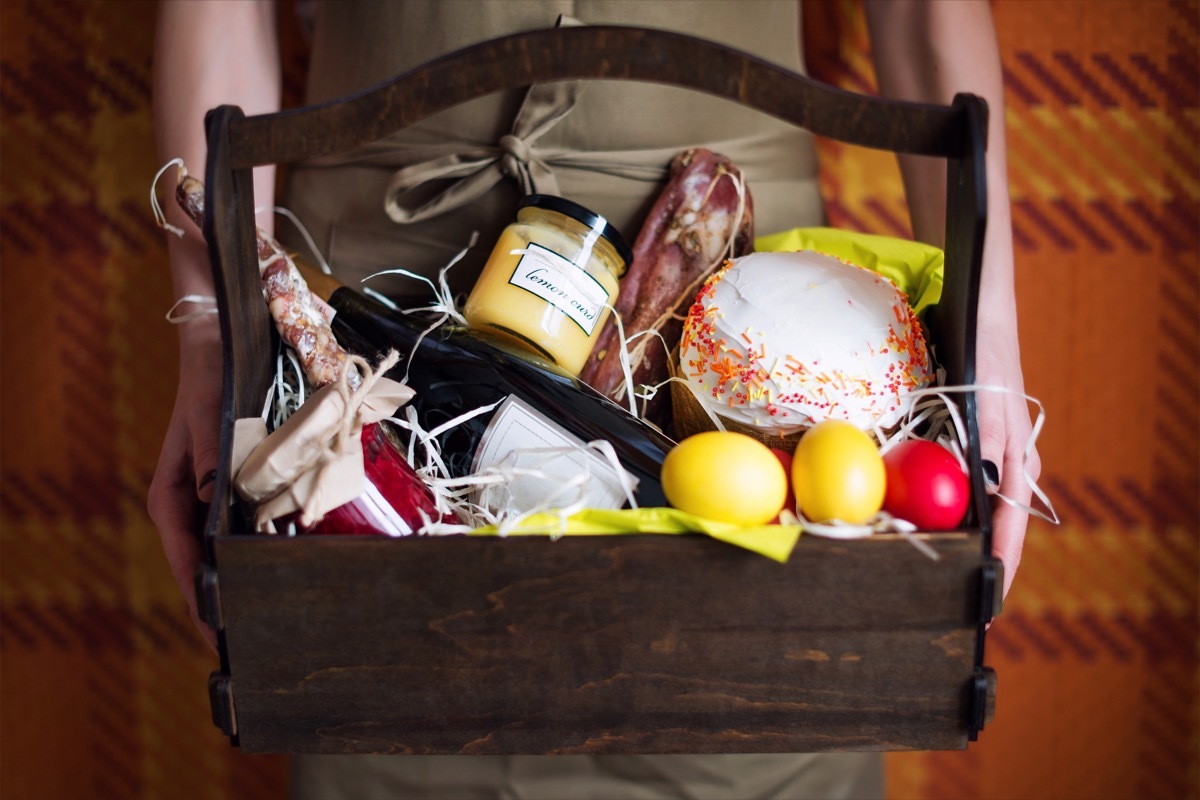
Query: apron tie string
[{"x": 476, "y": 170}]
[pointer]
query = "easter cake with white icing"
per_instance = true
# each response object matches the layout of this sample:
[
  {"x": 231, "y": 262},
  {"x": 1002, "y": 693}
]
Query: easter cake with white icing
[{"x": 782, "y": 341}]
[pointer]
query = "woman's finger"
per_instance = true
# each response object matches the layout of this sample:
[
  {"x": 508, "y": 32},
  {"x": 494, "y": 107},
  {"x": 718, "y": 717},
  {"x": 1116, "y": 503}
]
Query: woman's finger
[{"x": 172, "y": 506}]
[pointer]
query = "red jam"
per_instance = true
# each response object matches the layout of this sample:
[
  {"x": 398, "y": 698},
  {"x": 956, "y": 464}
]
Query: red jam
[{"x": 393, "y": 501}]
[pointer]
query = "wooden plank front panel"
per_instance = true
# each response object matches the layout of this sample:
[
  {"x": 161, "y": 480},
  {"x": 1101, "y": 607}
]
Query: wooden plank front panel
[{"x": 596, "y": 645}]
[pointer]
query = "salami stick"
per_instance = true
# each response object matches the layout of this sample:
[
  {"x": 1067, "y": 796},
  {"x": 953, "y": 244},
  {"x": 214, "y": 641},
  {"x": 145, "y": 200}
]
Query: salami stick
[
  {"x": 703, "y": 213},
  {"x": 297, "y": 316}
]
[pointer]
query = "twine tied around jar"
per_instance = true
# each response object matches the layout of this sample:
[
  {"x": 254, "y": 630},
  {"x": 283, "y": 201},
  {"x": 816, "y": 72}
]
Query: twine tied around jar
[
  {"x": 343, "y": 438},
  {"x": 313, "y": 463}
]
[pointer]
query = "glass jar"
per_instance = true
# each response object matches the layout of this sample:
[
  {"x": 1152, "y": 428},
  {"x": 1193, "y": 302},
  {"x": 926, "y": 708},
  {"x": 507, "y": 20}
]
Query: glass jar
[
  {"x": 551, "y": 280},
  {"x": 395, "y": 500}
]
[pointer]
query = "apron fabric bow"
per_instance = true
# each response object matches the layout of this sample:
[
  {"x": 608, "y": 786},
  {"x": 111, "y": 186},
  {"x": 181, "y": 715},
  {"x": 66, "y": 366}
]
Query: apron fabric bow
[
  {"x": 478, "y": 169},
  {"x": 474, "y": 168}
]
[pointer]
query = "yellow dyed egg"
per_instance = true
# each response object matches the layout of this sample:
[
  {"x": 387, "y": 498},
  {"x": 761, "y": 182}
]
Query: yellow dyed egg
[
  {"x": 837, "y": 473},
  {"x": 725, "y": 476}
]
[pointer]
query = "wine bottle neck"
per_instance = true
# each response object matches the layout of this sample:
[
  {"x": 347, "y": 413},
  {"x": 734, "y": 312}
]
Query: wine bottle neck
[
  {"x": 320, "y": 284},
  {"x": 366, "y": 327}
]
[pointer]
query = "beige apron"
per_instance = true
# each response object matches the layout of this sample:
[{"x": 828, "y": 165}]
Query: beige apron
[
  {"x": 413, "y": 201},
  {"x": 604, "y": 144},
  {"x": 833, "y": 776}
]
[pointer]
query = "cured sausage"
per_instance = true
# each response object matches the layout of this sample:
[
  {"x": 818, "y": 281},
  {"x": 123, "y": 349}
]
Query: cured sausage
[
  {"x": 703, "y": 216},
  {"x": 298, "y": 317}
]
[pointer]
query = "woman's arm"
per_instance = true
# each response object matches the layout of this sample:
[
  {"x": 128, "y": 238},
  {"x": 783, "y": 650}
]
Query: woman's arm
[
  {"x": 928, "y": 50},
  {"x": 207, "y": 53}
]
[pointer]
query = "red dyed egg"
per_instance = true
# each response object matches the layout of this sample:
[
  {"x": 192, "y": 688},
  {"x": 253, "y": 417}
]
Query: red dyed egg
[{"x": 925, "y": 485}]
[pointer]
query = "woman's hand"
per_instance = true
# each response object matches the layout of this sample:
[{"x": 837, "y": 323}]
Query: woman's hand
[
  {"x": 1004, "y": 430},
  {"x": 205, "y": 54},
  {"x": 182, "y": 482},
  {"x": 929, "y": 51}
]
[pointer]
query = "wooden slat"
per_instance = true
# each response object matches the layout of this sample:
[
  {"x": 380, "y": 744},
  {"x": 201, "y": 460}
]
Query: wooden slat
[
  {"x": 247, "y": 333},
  {"x": 596, "y": 644},
  {"x": 953, "y": 321}
]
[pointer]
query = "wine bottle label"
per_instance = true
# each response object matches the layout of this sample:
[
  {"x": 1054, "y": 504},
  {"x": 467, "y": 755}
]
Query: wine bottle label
[
  {"x": 557, "y": 467},
  {"x": 561, "y": 283}
]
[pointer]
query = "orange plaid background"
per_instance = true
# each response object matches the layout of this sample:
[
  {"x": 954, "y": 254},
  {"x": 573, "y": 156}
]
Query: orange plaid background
[{"x": 103, "y": 679}]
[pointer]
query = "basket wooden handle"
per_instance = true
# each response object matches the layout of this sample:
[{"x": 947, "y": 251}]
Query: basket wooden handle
[{"x": 595, "y": 52}]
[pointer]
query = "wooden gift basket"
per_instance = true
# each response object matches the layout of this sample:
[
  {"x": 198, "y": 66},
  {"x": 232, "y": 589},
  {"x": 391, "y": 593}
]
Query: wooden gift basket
[{"x": 640, "y": 643}]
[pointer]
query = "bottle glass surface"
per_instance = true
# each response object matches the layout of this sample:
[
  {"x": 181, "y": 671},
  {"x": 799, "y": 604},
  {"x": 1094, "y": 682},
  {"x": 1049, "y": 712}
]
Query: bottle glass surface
[{"x": 455, "y": 371}]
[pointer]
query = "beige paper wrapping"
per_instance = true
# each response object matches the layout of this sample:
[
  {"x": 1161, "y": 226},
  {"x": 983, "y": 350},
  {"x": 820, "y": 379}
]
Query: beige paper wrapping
[{"x": 313, "y": 463}]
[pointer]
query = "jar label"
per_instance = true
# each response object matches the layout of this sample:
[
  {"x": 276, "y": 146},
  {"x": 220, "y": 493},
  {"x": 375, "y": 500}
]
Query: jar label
[
  {"x": 558, "y": 468},
  {"x": 561, "y": 283}
]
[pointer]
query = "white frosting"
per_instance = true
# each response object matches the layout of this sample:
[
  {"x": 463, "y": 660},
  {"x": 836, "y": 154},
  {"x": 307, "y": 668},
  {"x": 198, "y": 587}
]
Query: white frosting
[{"x": 786, "y": 340}]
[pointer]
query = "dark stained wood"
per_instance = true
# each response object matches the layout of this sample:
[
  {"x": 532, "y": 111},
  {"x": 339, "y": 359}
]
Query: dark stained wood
[
  {"x": 596, "y": 52},
  {"x": 596, "y": 645},
  {"x": 954, "y": 323},
  {"x": 247, "y": 332}
]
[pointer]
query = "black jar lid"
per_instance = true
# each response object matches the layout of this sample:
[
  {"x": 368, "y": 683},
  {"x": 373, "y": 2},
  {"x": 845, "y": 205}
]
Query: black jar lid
[{"x": 578, "y": 213}]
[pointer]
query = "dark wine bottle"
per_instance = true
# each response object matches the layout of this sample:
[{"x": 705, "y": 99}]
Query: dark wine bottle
[{"x": 455, "y": 370}]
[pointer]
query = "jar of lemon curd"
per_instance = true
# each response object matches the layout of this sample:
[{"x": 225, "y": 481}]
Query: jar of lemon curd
[{"x": 551, "y": 280}]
